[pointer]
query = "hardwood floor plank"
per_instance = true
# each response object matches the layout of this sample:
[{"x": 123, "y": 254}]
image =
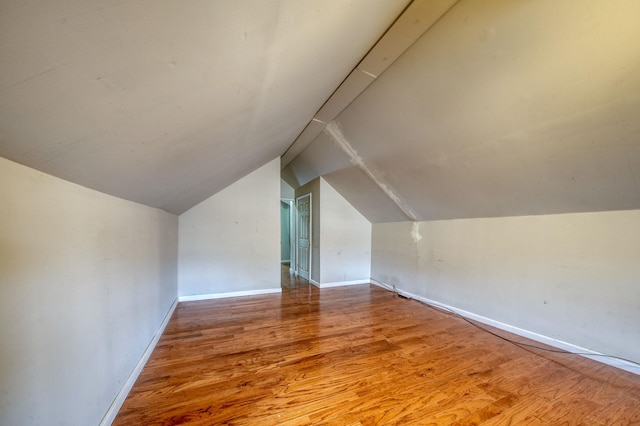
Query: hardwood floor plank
[
  {"x": 360, "y": 355},
  {"x": 523, "y": 412}
]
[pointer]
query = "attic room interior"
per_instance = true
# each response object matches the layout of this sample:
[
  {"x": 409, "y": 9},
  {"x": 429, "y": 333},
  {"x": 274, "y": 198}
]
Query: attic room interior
[{"x": 472, "y": 170}]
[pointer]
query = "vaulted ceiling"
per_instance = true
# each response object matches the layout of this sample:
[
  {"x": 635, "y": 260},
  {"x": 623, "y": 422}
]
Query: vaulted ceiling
[
  {"x": 501, "y": 108},
  {"x": 437, "y": 109},
  {"x": 166, "y": 102}
]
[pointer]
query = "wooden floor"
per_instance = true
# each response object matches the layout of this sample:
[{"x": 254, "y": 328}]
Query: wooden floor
[{"x": 360, "y": 355}]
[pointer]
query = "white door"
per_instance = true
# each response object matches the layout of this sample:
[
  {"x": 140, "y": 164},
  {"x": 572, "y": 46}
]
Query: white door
[{"x": 303, "y": 232}]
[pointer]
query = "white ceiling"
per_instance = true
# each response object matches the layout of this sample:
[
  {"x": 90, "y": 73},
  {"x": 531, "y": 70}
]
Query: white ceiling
[
  {"x": 462, "y": 109},
  {"x": 167, "y": 102},
  {"x": 501, "y": 108}
]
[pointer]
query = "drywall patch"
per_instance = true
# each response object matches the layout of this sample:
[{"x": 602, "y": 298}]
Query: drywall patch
[
  {"x": 334, "y": 132},
  {"x": 415, "y": 232}
]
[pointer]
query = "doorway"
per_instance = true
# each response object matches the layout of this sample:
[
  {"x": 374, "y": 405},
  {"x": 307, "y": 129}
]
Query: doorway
[{"x": 287, "y": 233}]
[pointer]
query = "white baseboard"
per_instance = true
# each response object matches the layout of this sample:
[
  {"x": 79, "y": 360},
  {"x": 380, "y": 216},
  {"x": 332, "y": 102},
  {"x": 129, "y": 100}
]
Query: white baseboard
[
  {"x": 379, "y": 284},
  {"x": 339, "y": 283},
  {"x": 569, "y": 347},
  {"x": 231, "y": 294},
  {"x": 113, "y": 410}
]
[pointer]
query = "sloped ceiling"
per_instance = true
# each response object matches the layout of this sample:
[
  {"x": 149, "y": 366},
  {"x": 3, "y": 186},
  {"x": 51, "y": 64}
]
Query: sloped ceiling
[
  {"x": 501, "y": 108},
  {"x": 166, "y": 102}
]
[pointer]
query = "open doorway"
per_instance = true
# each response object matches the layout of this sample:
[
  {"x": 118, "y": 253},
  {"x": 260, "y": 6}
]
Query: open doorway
[
  {"x": 295, "y": 241},
  {"x": 287, "y": 239},
  {"x": 295, "y": 236},
  {"x": 287, "y": 232}
]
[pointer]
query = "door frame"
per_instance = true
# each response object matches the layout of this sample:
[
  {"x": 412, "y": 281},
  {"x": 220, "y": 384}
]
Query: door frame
[
  {"x": 297, "y": 219},
  {"x": 291, "y": 232}
]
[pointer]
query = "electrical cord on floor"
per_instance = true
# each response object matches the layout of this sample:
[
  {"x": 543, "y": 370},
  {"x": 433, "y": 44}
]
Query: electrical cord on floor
[{"x": 514, "y": 342}]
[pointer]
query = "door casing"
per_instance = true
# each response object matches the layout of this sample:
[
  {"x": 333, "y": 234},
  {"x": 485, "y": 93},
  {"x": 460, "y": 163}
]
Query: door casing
[{"x": 304, "y": 240}]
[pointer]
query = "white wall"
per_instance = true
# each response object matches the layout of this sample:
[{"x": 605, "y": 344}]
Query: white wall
[
  {"x": 341, "y": 243},
  {"x": 570, "y": 277},
  {"x": 85, "y": 282},
  {"x": 345, "y": 239},
  {"x": 286, "y": 191},
  {"x": 231, "y": 241}
]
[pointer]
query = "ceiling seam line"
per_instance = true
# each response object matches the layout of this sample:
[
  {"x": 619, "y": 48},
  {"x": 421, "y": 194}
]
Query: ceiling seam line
[{"x": 339, "y": 138}]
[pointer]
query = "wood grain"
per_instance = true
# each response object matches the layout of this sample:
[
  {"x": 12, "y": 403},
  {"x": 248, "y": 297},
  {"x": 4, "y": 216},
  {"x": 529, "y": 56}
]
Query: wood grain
[{"x": 360, "y": 355}]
